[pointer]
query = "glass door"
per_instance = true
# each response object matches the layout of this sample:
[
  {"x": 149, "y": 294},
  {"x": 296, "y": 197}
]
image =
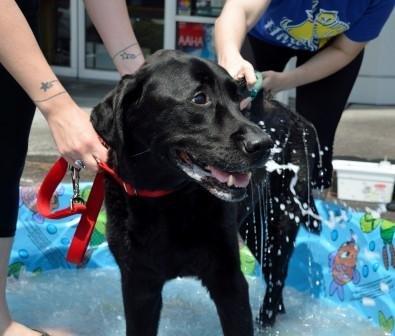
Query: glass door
[
  {"x": 58, "y": 35},
  {"x": 147, "y": 17}
]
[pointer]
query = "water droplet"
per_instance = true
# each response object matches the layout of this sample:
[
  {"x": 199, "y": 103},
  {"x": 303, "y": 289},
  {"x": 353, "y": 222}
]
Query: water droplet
[
  {"x": 23, "y": 253},
  {"x": 365, "y": 271},
  {"x": 52, "y": 229},
  {"x": 334, "y": 235}
]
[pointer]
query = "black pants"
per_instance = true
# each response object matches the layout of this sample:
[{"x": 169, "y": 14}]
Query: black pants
[
  {"x": 17, "y": 111},
  {"x": 321, "y": 102}
]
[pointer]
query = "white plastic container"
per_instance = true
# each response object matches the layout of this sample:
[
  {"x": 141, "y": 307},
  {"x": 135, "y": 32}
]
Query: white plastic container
[{"x": 365, "y": 181}]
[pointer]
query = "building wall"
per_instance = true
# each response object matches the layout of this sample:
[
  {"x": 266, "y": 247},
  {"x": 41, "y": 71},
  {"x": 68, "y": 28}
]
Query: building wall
[{"x": 376, "y": 82}]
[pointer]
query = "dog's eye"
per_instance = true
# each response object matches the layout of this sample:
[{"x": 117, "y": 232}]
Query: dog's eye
[{"x": 200, "y": 98}]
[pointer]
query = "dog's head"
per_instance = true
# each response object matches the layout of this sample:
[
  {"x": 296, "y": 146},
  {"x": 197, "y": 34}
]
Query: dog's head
[{"x": 178, "y": 118}]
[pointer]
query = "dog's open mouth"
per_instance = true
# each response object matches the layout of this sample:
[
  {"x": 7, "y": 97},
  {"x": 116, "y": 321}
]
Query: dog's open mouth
[{"x": 227, "y": 185}]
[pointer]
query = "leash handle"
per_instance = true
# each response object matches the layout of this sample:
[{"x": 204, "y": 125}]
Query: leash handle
[
  {"x": 90, "y": 210},
  {"x": 47, "y": 190}
]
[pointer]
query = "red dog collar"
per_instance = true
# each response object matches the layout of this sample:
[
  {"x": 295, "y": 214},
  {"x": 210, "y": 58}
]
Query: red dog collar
[{"x": 88, "y": 211}]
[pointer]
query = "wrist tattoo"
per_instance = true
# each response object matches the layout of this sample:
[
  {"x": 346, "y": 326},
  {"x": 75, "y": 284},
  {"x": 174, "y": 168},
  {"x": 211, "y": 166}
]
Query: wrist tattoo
[
  {"x": 123, "y": 51},
  {"x": 126, "y": 56},
  {"x": 45, "y": 86},
  {"x": 49, "y": 98}
]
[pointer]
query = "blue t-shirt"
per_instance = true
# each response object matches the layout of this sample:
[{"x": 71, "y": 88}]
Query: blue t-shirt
[{"x": 309, "y": 24}]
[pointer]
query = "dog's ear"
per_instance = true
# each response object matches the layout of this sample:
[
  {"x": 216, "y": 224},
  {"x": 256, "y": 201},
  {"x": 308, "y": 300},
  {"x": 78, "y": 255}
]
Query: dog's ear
[{"x": 107, "y": 117}]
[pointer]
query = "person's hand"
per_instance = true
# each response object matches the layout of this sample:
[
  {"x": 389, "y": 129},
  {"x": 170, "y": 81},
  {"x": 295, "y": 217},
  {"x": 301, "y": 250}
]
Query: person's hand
[
  {"x": 75, "y": 136},
  {"x": 274, "y": 82},
  {"x": 238, "y": 68}
]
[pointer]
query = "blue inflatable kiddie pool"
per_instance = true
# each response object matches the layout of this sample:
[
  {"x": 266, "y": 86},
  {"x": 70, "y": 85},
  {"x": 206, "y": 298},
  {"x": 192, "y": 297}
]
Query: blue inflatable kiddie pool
[{"x": 346, "y": 273}]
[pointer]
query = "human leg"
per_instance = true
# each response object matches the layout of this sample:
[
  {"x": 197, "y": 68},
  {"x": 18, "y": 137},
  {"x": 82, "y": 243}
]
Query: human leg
[
  {"x": 17, "y": 115},
  {"x": 322, "y": 103}
]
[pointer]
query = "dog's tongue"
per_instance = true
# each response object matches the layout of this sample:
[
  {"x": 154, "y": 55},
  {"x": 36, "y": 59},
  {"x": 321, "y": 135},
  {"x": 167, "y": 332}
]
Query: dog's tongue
[{"x": 239, "y": 180}]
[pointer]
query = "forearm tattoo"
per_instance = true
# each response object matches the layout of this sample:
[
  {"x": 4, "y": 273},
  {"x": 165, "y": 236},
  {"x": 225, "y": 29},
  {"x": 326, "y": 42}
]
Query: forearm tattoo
[
  {"x": 45, "y": 86},
  {"x": 126, "y": 55},
  {"x": 49, "y": 98}
]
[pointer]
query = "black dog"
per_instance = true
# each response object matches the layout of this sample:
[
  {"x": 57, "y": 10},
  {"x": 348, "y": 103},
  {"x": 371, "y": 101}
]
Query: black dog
[
  {"x": 176, "y": 125},
  {"x": 283, "y": 197}
]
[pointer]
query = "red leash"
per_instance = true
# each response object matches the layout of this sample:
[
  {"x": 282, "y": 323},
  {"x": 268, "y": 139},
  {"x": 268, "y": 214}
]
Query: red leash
[{"x": 88, "y": 211}]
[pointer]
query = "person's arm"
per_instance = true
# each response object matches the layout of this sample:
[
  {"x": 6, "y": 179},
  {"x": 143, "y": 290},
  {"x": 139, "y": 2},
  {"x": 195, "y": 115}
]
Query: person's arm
[
  {"x": 21, "y": 56},
  {"x": 236, "y": 19},
  {"x": 325, "y": 63},
  {"x": 112, "y": 22}
]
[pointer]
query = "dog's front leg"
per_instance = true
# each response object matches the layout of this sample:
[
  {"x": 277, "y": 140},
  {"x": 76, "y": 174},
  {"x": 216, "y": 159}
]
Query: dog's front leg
[
  {"x": 142, "y": 299},
  {"x": 229, "y": 292},
  {"x": 279, "y": 246}
]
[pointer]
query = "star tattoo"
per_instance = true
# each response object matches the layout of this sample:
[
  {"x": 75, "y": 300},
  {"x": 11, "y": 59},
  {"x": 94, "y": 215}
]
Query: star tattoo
[
  {"x": 45, "y": 86},
  {"x": 124, "y": 55}
]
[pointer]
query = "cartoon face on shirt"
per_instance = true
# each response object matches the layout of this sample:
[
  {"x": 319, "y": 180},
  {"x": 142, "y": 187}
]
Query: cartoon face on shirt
[
  {"x": 327, "y": 18},
  {"x": 310, "y": 24},
  {"x": 315, "y": 30}
]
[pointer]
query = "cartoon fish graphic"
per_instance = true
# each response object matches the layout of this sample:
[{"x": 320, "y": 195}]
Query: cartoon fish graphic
[
  {"x": 343, "y": 267},
  {"x": 28, "y": 198}
]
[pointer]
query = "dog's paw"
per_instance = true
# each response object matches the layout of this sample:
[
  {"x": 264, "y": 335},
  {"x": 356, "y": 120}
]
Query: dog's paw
[{"x": 266, "y": 319}]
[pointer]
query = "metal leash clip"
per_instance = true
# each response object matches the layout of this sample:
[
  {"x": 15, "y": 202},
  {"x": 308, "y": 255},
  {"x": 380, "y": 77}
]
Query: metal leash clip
[{"x": 75, "y": 179}]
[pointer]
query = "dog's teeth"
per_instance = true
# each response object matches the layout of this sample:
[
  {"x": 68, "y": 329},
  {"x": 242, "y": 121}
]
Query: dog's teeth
[
  {"x": 231, "y": 180},
  {"x": 249, "y": 174}
]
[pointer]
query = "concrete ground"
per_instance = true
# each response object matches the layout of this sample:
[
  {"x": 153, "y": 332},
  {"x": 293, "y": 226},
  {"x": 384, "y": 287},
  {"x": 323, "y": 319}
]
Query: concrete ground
[
  {"x": 364, "y": 132},
  {"x": 367, "y": 132}
]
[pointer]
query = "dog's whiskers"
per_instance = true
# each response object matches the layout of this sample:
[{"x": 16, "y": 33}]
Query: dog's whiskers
[{"x": 141, "y": 153}]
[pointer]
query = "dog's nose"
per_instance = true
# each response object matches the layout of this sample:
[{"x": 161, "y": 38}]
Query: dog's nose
[
  {"x": 253, "y": 144},
  {"x": 253, "y": 140}
]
